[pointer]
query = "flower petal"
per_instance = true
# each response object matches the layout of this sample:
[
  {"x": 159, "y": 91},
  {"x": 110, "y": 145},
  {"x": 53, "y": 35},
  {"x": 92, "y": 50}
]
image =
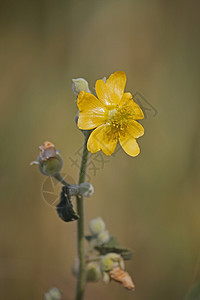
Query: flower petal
[
  {"x": 127, "y": 100},
  {"x": 92, "y": 111},
  {"x": 103, "y": 138},
  {"x": 130, "y": 146},
  {"x": 127, "y": 138},
  {"x": 111, "y": 92}
]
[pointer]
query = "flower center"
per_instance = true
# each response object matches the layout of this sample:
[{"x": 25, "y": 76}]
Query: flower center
[
  {"x": 120, "y": 117},
  {"x": 112, "y": 112}
]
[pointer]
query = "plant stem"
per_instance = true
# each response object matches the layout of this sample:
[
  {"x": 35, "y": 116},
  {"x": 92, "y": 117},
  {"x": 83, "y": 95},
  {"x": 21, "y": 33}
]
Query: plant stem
[
  {"x": 61, "y": 179},
  {"x": 80, "y": 288},
  {"x": 91, "y": 259}
]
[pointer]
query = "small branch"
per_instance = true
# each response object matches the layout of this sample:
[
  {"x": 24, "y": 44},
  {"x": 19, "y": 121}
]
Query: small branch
[
  {"x": 91, "y": 259},
  {"x": 61, "y": 179}
]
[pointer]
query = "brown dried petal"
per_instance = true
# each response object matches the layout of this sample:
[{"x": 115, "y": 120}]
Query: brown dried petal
[
  {"x": 122, "y": 277},
  {"x": 47, "y": 150}
]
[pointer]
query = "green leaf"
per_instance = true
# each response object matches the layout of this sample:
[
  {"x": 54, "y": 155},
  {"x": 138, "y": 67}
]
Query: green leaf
[
  {"x": 194, "y": 292},
  {"x": 89, "y": 237},
  {"x": 112, "y": 242},
  {"x": 113, "y": 246},
  {"x": 65, "y": 208}
]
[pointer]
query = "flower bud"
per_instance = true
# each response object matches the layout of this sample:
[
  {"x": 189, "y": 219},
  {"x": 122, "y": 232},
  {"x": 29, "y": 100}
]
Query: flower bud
[
  {"x": 75, "y": 267},
  {"x": 93, "y": 272},
  {"x": 86, "y": 189},
  {"x": 106, "y": 277},
  {"x": 97, "y": 226},
  {"x": 103, "y": 237},
  {"x": 80, "y": 84},
  {"x": 110, "y": 261},
  {"x": 47, "y": 296},
  {"x": 49, "y": 160},
  {"x": 74, "y": 190},
  {"x": 53, "y": 294},
  {"x": 52, "y": 166}
]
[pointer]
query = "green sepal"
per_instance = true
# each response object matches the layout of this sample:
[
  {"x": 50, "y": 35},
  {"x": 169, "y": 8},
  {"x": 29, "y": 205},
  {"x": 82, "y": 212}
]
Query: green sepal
[
  {"x": 113, "y": 246},
  {"x": 65, "y": 208}
]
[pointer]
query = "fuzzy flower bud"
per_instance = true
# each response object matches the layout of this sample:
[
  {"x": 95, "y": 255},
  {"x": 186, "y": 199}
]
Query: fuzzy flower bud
[
  {"x": 110, "y": 261},
  {"x": 80, "y": 84},
  {"x": 53, "y": 294},
  {"x": 103, "y": 237},
  {"x": 112, "y": 267},
  {"x": 93, "y": 272},
  {"x": 75, "y": 267},
  {"x": 106, "y": 277},
  {"x": 86, "y": 189},
  {"x": 97, "y": 226},
  {"x": 49, "y": 160}
]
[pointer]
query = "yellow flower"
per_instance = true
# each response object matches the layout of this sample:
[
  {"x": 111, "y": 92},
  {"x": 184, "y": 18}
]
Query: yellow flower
[{"x": 113, "y": 113}]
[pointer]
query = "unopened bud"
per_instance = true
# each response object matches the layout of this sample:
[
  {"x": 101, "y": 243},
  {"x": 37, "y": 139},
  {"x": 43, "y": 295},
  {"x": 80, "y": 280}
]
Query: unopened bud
[
  {"x": 53, "y": 294},
  {"x": 103, "y": 237},
  {"x": 86, "y": 189},
  {"x": 47, "y": 296},
  {"x": 93, "y": 272},
  {"x": 106, "y": 277},
  {"x": 97, "y": 226},
  {"x": 75, "y": 267},
  {"x": 49, "y": 160},
  {"x": 80, "y": 84},
  {"x": 110, "y": 261},
  {"x": 74, "y": 189}
]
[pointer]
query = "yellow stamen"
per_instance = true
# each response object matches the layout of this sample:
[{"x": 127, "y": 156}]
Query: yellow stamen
[{"x": 119, "y": 117}]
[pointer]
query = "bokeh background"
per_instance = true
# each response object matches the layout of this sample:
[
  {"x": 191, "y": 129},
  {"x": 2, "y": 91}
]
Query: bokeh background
[{"x": 150, "y": 203}]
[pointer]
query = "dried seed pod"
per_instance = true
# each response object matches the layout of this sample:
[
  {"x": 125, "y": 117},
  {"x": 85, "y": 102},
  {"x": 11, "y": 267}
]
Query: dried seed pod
[
  {"x": 47, "y": 151},
  {"x": 49, "y": 160},
  {"x": 122, "y": 277}
]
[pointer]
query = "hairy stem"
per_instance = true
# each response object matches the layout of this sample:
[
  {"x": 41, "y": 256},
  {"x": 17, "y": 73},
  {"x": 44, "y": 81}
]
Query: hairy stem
[
  {"x": 92, "y": 259},
  {"x": 61, "y": 179},
  {"x": 80, "y": 288}
]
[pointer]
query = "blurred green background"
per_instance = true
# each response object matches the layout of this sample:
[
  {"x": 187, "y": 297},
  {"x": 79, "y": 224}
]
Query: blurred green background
[{"x": 151, "y": 202}]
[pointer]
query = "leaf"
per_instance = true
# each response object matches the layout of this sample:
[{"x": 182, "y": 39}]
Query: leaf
[
  {"x": 112, "y": 242},
  {"x": 65, "y": 207},
  {"x": 89, "y": 237},
  {"x": 113, "y": 246},
  {"x": 194, "y": 292}
]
